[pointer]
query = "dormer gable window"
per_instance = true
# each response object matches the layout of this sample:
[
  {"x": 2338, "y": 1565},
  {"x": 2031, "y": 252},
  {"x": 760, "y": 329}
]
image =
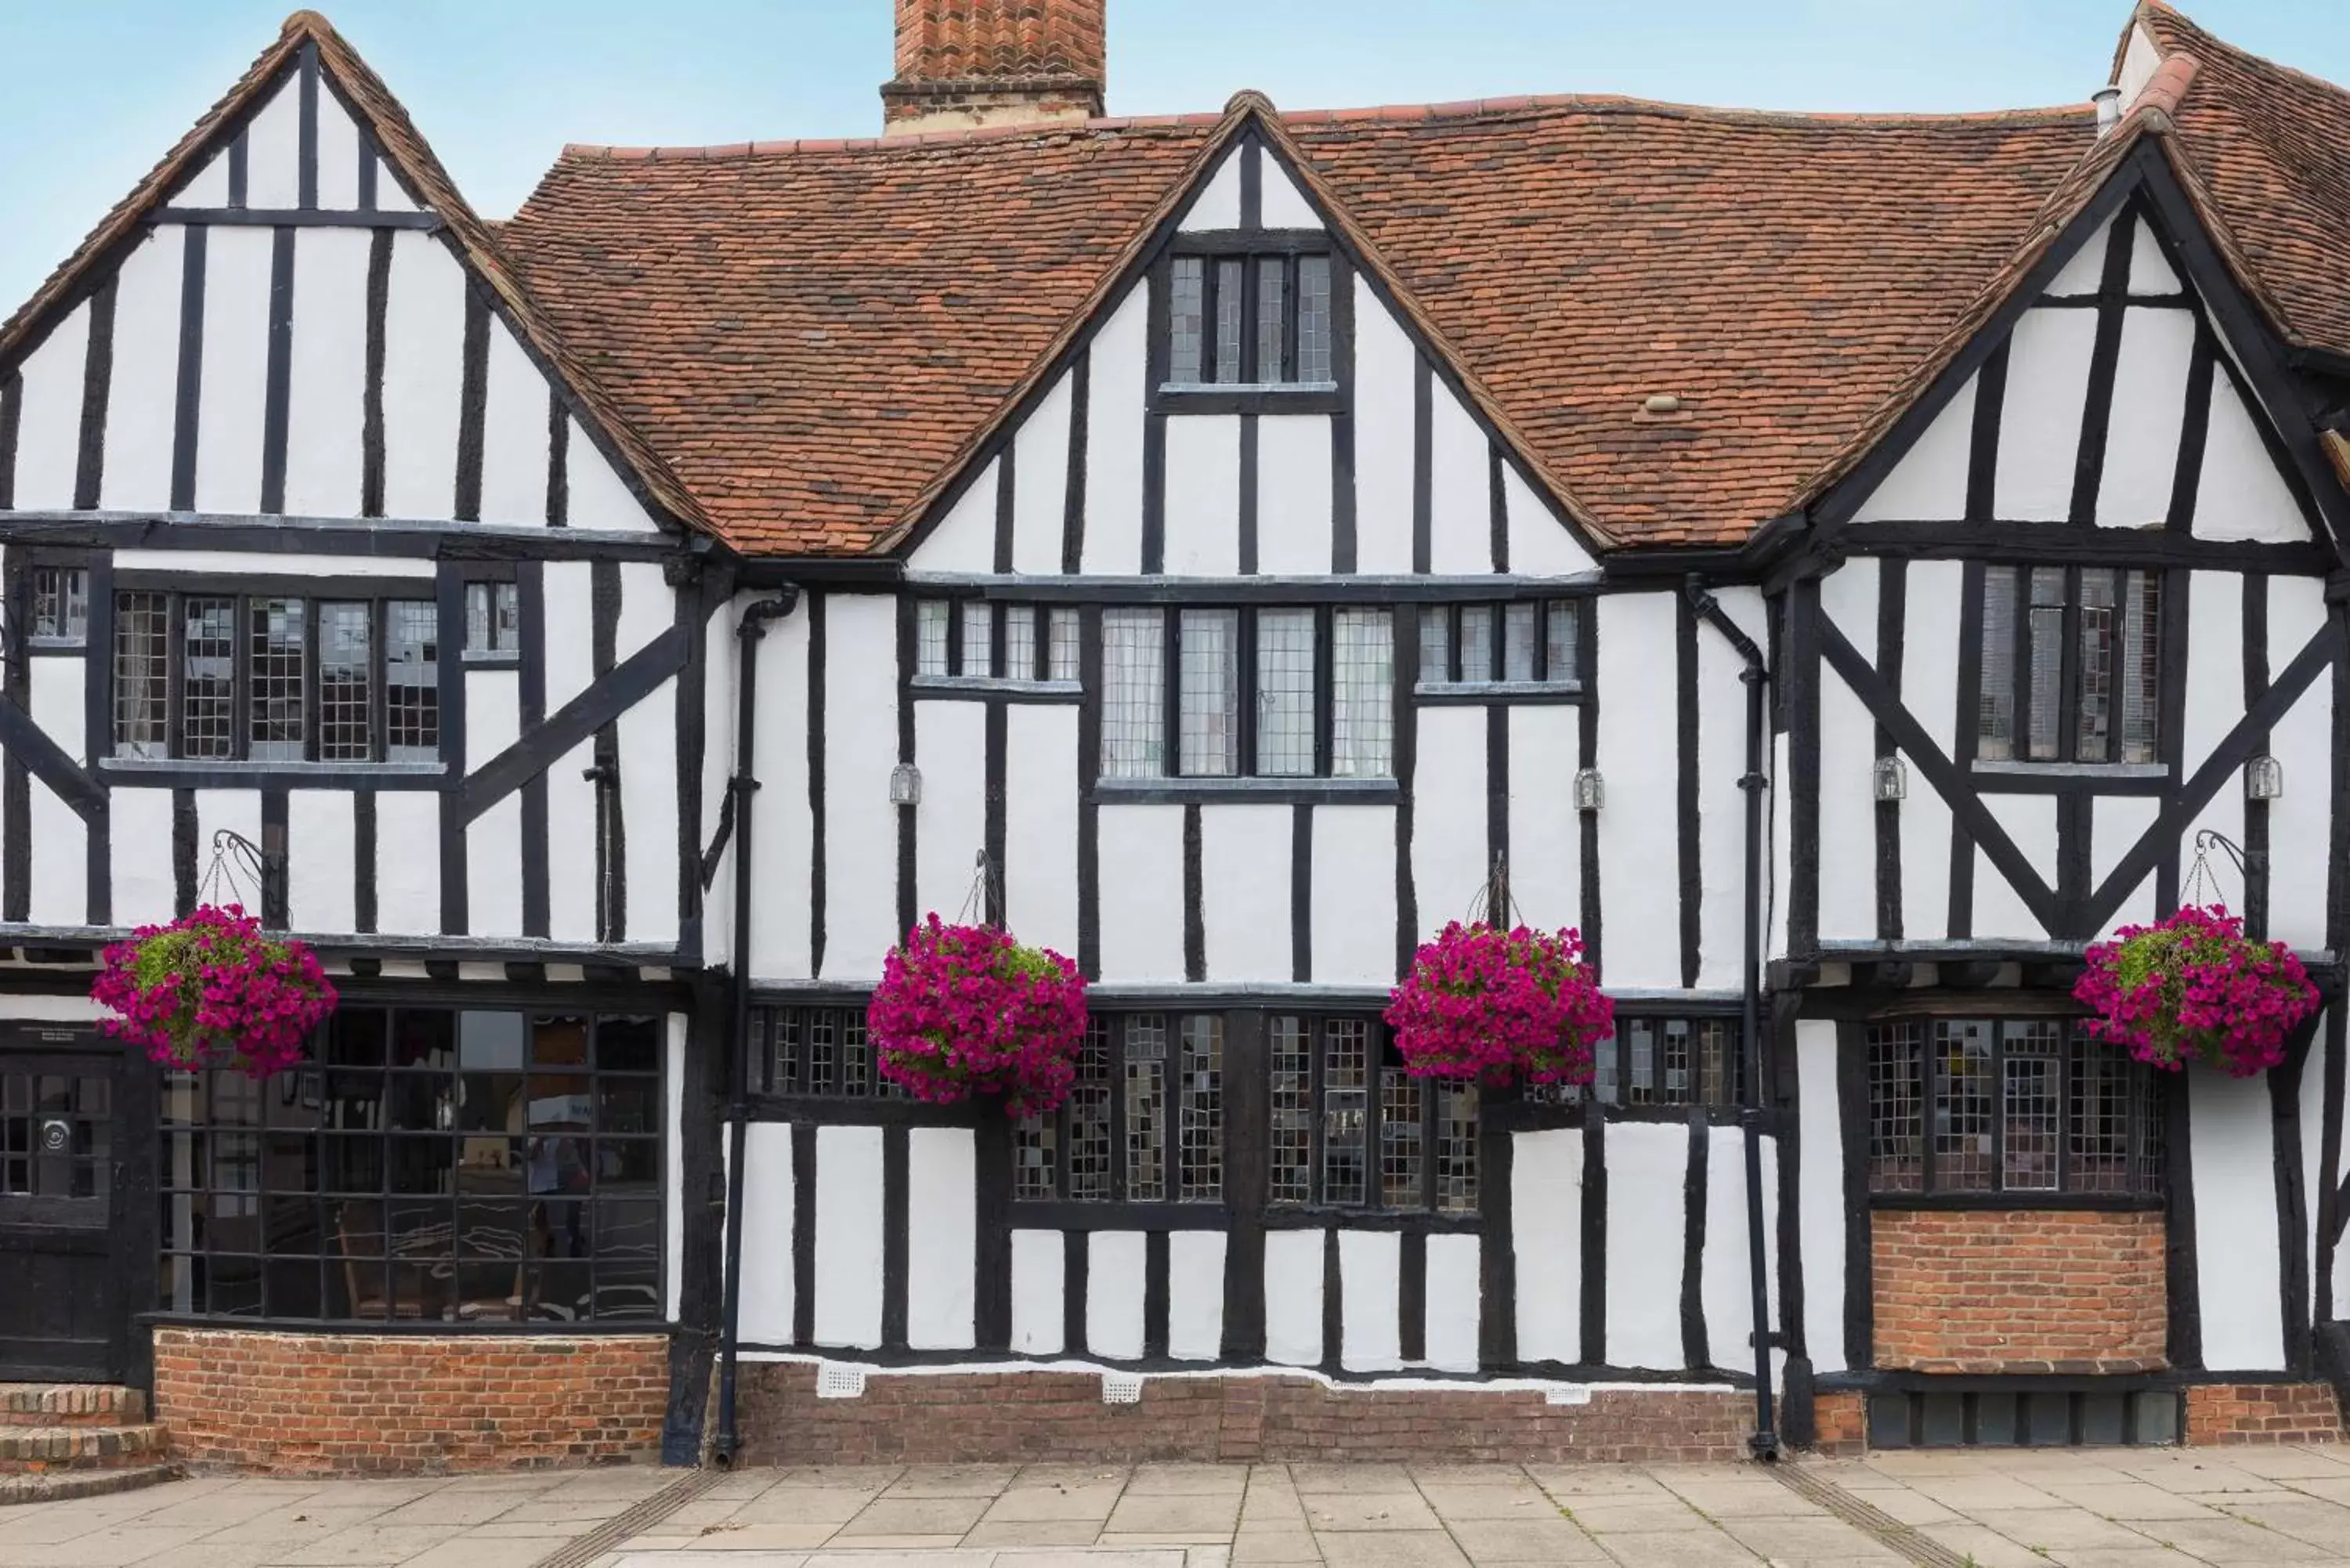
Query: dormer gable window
[{"x": 1251, "y": 319}]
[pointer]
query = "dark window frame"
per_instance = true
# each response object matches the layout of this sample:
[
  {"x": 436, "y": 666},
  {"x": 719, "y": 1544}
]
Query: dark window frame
[
  {"x": 1458, "y": 682},
  {"x": 71, "y": 585},
  {"x": 1250, "y": 393},
  {"x": 2072, "y": 673},
  {"x": 950, "y": 670}
]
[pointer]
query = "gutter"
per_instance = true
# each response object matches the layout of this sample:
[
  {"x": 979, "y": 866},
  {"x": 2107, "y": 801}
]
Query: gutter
[
  {"x": 1765, "y": 1443},
  {"x": 752, "y": 631}
]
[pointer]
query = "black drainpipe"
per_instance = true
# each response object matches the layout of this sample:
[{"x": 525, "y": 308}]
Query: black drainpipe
[
  {"x": 1765, "y": 1440},
  {"x": 755, "y": 618}
]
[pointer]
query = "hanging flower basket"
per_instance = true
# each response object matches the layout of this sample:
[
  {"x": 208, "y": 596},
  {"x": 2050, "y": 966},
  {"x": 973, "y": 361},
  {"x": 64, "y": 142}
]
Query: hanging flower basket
[
  {"x": 1497, "y": 1006},
  {"x": 965, "y": 1010},
  {"x": 2194, "y": 985},
  {"x": 211, "y": 990}
]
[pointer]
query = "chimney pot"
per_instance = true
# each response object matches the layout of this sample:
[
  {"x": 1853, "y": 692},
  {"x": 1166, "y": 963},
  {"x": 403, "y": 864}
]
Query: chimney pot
[
  {"x": 2108, "y": 101},
  {"x": 967, "y": 63}
]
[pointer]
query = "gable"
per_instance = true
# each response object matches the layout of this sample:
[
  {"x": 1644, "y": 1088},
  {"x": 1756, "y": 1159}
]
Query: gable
[
  {"x": 2115, "y": 398},
  {"x": 283, "y": 321},
  {"x": 1105, "y": 470}
]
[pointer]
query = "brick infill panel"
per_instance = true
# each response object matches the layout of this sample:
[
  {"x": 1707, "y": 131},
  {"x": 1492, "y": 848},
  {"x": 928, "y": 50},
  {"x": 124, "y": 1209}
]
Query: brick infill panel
[
  {"x": 356, "y": 1404},
  {"x": 2232, "y": 1413},
  {"x": 2074, "y": 1293},
  {"x": 1017, "y": 1415}
]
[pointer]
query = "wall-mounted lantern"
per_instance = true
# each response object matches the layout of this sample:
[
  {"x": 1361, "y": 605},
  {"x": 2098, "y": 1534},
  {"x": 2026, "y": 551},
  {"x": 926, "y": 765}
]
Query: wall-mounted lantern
[
  {"x": 1890, "y": 777},
  {"x": 1590, "y": 790},
  {"x": 2263, "y": 778},
  {"x": 905, "y": 784}
]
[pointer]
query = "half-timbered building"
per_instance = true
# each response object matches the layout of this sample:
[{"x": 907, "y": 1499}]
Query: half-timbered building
[{"x": 1223, "y": 549}]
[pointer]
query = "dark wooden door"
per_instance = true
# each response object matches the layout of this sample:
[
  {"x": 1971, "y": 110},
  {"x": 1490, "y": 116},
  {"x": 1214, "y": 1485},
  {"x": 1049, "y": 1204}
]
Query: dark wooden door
[{"x": 67, "y": 1141}]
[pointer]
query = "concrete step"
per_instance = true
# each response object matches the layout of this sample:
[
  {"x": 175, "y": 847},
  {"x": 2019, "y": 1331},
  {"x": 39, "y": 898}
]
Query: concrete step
[
  {"x": 32, "y": 1450},
  {"x": 70, "y": 1404},
  {"x": 56, "y": 1486}
]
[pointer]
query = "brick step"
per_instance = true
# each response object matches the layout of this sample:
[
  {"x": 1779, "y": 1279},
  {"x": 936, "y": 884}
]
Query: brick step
[
  {"x": 56, "y": 1486},
  {"x": 70, "y": 1404},
  {"x": 31, "y": 1451}
]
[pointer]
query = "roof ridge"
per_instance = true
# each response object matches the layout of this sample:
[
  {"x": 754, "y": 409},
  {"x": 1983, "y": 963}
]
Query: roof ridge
[{"x": 2219, "y": 45}]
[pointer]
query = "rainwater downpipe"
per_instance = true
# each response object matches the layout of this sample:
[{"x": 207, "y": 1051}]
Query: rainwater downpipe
[
  {"x": 1753, "y": 782},
  {"x": 742, "y": 787}
]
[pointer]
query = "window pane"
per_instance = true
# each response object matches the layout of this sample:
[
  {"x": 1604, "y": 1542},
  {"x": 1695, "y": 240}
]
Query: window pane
[
  {"x": 1211, "y": 693},
  {"x": 1345, "y": 1102},
  {"x": 1134, "y": 693},
  {"x": 2047, "y": 683},
  {"x": 1088, "y": 1112},
  {"x": 2095, "y": 733},
  {"x": 978, "y": 638},
  {"x": 2105, "y": 1082},
  {"x": 1272, "y": 278},
  {"x": 493, "y": 618},
  {"x": 2032, "y": 1105},
  {"x": 1963, "y": 1105},
  {"x": 1146, "y": 1109},
  {"x": 1019, "y": 643},
  {"x": 1313, "y": 339},
  {"x": 1285, "y": 693},
  {"x": 1897, "y": 1119},
  {"x": 1229, "y": 300},
  {"x": 1518, "y": 643},
  {"x": 276, "y": 652},
  {"x": 60, "y": 604},
  {"x": 1995, "y": 720},
  {"x": 345, "y": 645},
  {"x": 413, "y": 680},
  {"x": 1033, "y": 1146},
  {"x": 2141, "y": 666},
  {"x": 1403, "y": 1154},
  {"x": 1063, "y": 652},
  {"x": 1435, "y": 646},
  {"x": 1201, "y": 1152},
  {"x": 1185, "y": 323},
  {"x": 141, "y": 675},
  {"x": 1476, "y": 644},
  {"x": 1289, "y": 1166},
  {"x": 931, "y": 637},
  {"x": 209, "y": 652},
  {"x": 1456, "y": 1149},
  {"x": 1362, "y": 694},
  {"x": 1559, "y": 649}
]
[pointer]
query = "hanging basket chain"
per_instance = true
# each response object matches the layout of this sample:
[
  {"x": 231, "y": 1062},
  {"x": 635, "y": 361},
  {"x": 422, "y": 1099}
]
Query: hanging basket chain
[
  {"x": 236, "y": 860},
  {"x": 983, "y": 902},
  {"x": 1494, "y": 905}
]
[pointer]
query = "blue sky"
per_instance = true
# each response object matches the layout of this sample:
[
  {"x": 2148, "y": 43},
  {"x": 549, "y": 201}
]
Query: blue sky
[{"x": 100, "y": 88}]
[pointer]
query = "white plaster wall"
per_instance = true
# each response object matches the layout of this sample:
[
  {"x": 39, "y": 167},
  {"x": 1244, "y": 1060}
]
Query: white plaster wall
[
  {"x": 941, "y": 1238},
  {"x": 493, "y": 841},
  {"x": 571, "y": 847},
  {"x": 144, "y": 889},
  {"x": 1370, "y": 1263},
  {"x": 1040, "y": 482},
  {"x": 1647, "y": 1225},
  {"x": 1929, "y": 483},
  {"x": 1117, "y": 377},
  {"x": 1448, "y": 864},
  {"x": 720, "y": 670},
  {"x": 1546, "y": 830},
  {"x": 1540, "y": 544},
  {"x": 1040, "y": 813},
  {"x": 597, "y": 496},
  {"x": 1639, "y": 828},
  {"x": 2142, "y": 434},
  {"x": 1385, "y": 365},
  {"x": 208, "y": 186},
  {"x": 1113, "y": 1325},
  {"x": 1244, "y": 863},
  {"x": 49, "y": 429},
  {"x": 964, "y": 539},
  {"x": 326, "y": 391},
  {"x": 769, "y": 1292},
  {"x": 1722, "y": 804},
  {"x": 55, "y": 688},
  {"x": 339, "y": 156},
  {"x": 2086, "y": 270},
  {"x": 321, "y": 858},
  {"x": 1725, "y": 1274},
  {"x": 2302, "y": 741},
  {"x": 648, "y": 742},
  {"x": 2039, "y": 422},
  {"x": 1848, "y": 598},
  {"x": 1930, "y": 690},
  {"x": 273, "y": 161},
  {"x": 1293, "y": 1297},
  {"x": 1449, "y": 1323},
  {"x": 1819, "y": 1190},
  {"x": 1546, "y": 1238},
  {"x": 848, "y": 1282},
  {"x": 951, "y": 822},
  {"x": 861, "y": 699},
  {"x": 2117, "y": 822},
  {"x": 1039, "y": 1264},
  {"x": 647, "y": 608},
  {"x": 513, "y": 435},
  {"x": 1195, "y": 1294},
  {"x": 1353, "y": 916},
  {"x": 1847, "y": 861},
  {"x": 2236, "y": 1265},
  {"x": 2215, "y": 702},
  {"x": 2149, "y": 271},
  {"x": 781, "y": 845},
  {"x": 1460, "y": 489},
  {"x": 2140, "y": 60},
  {"x": 1203, "y": 495},
  {"x": 390, "y": 195},
  {"x": 1142, "y": 857},
  {"x": 1280, "y": 202},
  {"x": 142, "y": 397},
  {"x": 2000, "y": 911},
  {"x": 1218, "y": 205},
  {"x": 408, "y": 860},
  {"x": 2241, "y": 494},
  {"x": 60, "y": 869},
  {"x": 1292, "y": 495},
  {"x": 423, "y": 376}
]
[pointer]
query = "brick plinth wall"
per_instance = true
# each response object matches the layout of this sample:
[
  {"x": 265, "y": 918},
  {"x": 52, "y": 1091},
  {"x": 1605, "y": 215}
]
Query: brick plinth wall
[
  {"x": 355, "y": 1403},
  {"x": 2263, "y": 1413},
  {"x": 1840, "y": 1419},
  {"x": 941, "y": 1418},
  {"x": 2073, "y": 1291}
]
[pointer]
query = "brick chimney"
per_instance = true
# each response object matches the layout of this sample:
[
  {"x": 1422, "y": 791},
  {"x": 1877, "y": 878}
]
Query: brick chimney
[{"x": 964, "y": 62}]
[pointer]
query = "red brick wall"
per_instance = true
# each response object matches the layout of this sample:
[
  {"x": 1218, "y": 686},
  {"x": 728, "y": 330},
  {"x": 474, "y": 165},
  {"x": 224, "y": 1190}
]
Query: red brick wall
[
  {"x": 352, "y": 1404},
  {"x": 2019, "y": 1290},
  {"x": 1841, "y": 1422},
  {"x": 928, "y": 1418},
  {"x": 2263, "y": 1413}
]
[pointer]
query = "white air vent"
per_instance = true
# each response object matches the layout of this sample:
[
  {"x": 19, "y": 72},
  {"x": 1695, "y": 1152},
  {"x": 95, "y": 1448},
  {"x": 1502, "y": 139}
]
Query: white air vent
[
  {"x": 1121, "y": 1388},
  {"x": 1568, "y": 1394},
  {"x": 836, "y": 1382}
]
